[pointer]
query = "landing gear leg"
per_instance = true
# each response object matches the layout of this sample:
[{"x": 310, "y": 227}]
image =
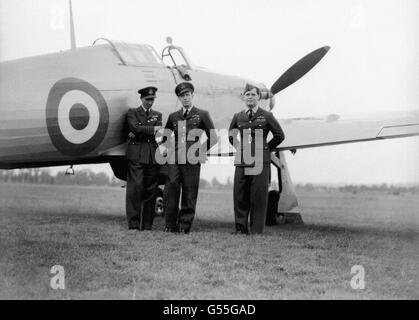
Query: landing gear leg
[{"x": 282, "y": 204}]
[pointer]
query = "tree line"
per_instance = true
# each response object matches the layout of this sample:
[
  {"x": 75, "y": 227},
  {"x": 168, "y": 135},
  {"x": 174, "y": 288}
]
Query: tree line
[
  {"x": 361, "y": 188},
  {"x": 87, "y": 177},
  {"x": 83, "y": 177}
]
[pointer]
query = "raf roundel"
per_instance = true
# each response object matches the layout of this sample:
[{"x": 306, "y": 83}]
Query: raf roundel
[{"x": 77, "y": 116}]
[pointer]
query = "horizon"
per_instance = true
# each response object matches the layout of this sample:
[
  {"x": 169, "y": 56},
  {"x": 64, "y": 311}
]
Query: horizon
[{"x": 111, "y": 176}]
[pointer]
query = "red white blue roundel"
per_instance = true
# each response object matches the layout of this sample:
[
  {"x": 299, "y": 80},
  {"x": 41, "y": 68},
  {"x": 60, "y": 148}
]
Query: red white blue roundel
[{"x": 77, "y": 116}]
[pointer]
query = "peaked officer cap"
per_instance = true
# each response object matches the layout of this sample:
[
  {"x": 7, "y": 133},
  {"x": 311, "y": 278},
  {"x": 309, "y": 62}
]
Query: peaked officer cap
[
  {"x": 147, "y": 92},
  {"x": 183, "y": 87}
]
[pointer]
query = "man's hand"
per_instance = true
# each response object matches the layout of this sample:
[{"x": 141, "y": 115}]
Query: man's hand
[
  {"x": 131, "y": 135},
  {"x": 157, "y": 128}
]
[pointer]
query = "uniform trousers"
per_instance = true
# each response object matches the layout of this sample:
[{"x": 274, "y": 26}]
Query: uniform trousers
[
  {"x": 250, "y": 195},
  {"x": 142, "y": 182},
  {"x": 185, "y": 178}
]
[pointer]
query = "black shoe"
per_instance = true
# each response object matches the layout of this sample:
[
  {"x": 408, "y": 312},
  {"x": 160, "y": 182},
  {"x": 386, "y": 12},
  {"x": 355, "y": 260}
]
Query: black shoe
[
  {"x": 173, "y": 230},
  {"x": 146, "y": 228},
  {"x": 185, "y": 231},
  {"x": 133, "y": 228},
  {"x": 241, "y": 230}
]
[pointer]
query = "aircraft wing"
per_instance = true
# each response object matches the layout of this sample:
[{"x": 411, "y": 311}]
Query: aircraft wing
[
  {"x": 333, "y": 129},
  {"x": 309, "y": 132}
]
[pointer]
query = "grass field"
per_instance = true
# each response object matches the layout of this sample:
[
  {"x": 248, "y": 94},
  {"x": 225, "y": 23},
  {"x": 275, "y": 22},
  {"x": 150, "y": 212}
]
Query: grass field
[{"x": 84, "y": 230}]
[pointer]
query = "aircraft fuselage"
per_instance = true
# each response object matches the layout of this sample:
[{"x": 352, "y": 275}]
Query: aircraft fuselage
[{"x": 70, "y": 107}]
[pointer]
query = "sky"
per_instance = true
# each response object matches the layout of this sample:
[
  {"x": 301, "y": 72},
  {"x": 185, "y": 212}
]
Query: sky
[{"x": 373, "y": 64}]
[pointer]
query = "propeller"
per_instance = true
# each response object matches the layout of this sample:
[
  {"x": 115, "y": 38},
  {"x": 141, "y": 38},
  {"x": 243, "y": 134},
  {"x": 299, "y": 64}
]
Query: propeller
[{"x": 299, "y": 69}]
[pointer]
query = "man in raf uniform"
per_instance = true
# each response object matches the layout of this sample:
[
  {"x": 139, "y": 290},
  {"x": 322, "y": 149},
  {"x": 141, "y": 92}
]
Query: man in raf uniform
[
  {"x": 252, "y": 125},
  {"x": 143, "y": 171},
  {"x": 184, "y": 171}
]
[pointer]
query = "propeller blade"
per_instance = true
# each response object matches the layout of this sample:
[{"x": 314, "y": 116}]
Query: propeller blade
[{"x": 299, "y": 69}]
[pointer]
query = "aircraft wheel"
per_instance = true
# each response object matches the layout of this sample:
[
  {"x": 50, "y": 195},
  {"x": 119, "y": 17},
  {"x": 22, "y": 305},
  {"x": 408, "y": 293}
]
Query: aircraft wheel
[
  {"x": 159, "y": 208},
  {"x": 280, "y": 218},
  {"x": 271, "y": 215}
]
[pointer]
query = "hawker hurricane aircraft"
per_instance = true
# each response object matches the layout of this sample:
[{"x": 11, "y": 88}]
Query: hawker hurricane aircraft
[{"x": 69, "y": 108}]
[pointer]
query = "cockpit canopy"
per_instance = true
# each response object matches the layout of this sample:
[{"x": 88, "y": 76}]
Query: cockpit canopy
[
  {"x": 175, "y": 56},
  {"x": 136, "y": 55},
  {"x": 131, "y": 54}
]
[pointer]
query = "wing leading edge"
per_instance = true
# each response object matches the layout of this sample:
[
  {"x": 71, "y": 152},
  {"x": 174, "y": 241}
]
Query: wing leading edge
[{"x": 314, "y": 132}]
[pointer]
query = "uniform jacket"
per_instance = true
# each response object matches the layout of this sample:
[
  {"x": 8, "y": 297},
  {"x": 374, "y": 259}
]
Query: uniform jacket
[
  {"x": 263, "y": 120},
  {"x": 143, "y": 146},
  {"x": 195, "y": 119}
]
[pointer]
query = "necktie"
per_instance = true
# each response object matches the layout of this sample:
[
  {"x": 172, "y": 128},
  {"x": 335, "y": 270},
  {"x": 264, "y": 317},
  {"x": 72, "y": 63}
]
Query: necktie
[
  {"x": 185, "y": 114},
  {"x": 250, "y": 113},
  {"x": 147, "y": 112}
]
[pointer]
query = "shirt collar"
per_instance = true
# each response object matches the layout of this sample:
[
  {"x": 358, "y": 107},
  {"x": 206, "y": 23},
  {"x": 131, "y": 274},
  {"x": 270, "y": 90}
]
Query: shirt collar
[
  {"x": 254, "y": 109},
  {"x": 189, "y": 109},
  {"x": 145, "y": 110}
]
